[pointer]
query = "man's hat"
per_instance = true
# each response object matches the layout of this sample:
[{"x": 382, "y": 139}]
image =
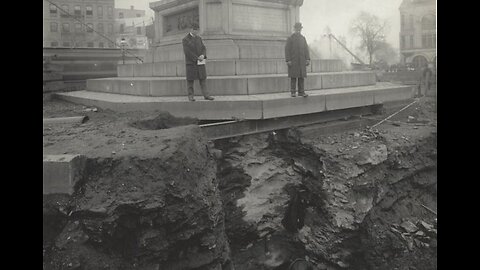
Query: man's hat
[
  {"x": 298, "y": 25},
  {"x": 195, "y": 26}
]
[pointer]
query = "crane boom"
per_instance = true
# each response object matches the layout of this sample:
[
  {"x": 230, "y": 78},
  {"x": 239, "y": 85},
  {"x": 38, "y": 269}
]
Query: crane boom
[{"x": 345, "y": 47}]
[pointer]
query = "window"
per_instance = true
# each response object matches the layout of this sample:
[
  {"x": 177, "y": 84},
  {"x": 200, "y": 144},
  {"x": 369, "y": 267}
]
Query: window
[
  {"x": 100, "y": 11},
  {"x": 66, "y": 27},
  {"x": 100, "y": 44},
  {"x": 53, "y": 10},
  {"x": 78, "y": 28},
  {"x": 428, "y": 22},
  {"x": 89, "y": 10},
  {"x": 402, "y": 42},
  {"x": 122, "y": 28},
  {"x": 100, "y": 27},
  {"x": 402, "y": 21},
  {"x": 89, "y": 27},
  {"x": 428, "y": 41},
  {"x": 77, "y": 10},
  {"x": 139, "y": 30},
  {"x": 110, "y": 45},
  {"x": 120, "y": 15},
  {"x": 90, "y": 44},
  {"x": 411, "y": 41},
  {"x": 78, "y": 44},
  {"x": 411, "y": 21},
  {"x": 53, "y": 27},
  {"x": 66, "y": 44},
  {"x": 110, "y": 28},
  {"x": 139, "y": 15},
  {"x": 65, "y": 8},
  {"x": 110, "y": 11},
  {"x": 54, "y": 44}
]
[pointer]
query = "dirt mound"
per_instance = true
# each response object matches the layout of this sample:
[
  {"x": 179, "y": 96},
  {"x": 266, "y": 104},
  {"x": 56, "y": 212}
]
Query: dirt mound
[
  {"x": 161, "y": 211},
  {"x": 163, "y": 120}
]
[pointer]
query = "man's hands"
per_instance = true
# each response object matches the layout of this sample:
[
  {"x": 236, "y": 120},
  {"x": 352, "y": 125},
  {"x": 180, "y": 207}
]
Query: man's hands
[
  {"x": 201, "y": 57},
  {"x": 308, "y": 62}
]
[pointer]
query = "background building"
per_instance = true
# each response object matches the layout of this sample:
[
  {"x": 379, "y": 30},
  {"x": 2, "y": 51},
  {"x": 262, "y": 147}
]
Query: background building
[
  {"x": 63, "y": 30},
  {"x": 131, "y": 24},
  {"x": 418, "y": 32}
]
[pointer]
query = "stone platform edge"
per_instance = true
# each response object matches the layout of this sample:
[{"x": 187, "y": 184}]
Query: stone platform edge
[
  {"x": 228, "y": 85},
  {"x": 247, "y": 107},
  {"x": 225, "y": 67}
]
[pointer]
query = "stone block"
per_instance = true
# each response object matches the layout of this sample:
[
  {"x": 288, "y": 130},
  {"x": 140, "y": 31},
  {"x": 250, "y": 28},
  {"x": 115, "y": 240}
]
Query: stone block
[
  {"x": 255, "y": 49},
  {"x": 220, "y": 68},
  {"x": 326, "y": 65},
  {"x": 62, "y": 172},
  {"x": 221, "y": 49},
  {"x": 287, "y": 106},
  {"x": 165, "y": 69},
  {"x": 313, "y": 82},
  {"x": 282, "y": 67},
  {"x": 393, "y": 94},
  {"x": 181, "y": 69},
  {"x": 136, "y": 87},
  {"x": 169, "y": 53},
  {"x": 168, "y": 87},
  {"x": 337, "y": 99},
  {"x": 226, "y": 85},
  {"x": 143, "y": 70},
  {"x": 268, "y": 84},
  {"x": 103, "y": 85},
  {"x": 253, "y": 67},
  {"x": 347, "y": 79},
  {"x": 125, "y": 70},
  {"x": 149, "y": 55}
]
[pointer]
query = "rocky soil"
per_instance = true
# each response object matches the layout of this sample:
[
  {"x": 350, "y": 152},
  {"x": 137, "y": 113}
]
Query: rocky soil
[{"x": 160, "y": 196}]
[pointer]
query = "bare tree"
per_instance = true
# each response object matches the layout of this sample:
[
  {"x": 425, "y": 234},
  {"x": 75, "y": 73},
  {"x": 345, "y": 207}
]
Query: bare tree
[
  {"x": 386, "y": 53},
  {"x": 371, "y": 31}
]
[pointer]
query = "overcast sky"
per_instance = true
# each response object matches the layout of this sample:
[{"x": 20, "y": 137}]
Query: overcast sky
[{"x": 315, "y": 15}]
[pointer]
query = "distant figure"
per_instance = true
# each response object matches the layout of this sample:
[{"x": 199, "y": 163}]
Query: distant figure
[
  {"x": 195, "y": 55},
  {"x": 297, "y": 57},
  {"x": 425, "y": 80}
]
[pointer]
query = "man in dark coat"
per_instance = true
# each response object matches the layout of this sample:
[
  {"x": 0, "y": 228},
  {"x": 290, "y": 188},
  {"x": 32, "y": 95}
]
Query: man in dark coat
[
  {"x": 195, "y": 53},
  {"x": 298, "y": 58}
]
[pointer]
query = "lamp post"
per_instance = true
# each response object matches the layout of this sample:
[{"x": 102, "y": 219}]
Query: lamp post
[{"x": 123, "y": 43}]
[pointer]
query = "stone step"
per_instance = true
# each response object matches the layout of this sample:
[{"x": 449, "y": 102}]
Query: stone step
[
  {"x": 225, "y": 67},
  {"x": 228, "y": 85},
  {"x": 261, "y": 106}
]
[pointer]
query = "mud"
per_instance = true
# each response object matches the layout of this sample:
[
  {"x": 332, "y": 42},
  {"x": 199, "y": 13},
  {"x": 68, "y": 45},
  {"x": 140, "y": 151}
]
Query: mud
[{"x": 169, "y": 199}]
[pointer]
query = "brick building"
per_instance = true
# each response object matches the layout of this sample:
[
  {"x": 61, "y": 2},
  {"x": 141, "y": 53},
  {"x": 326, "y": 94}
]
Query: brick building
[
  {"x": 418, "y": 32},
  {"x": 131, "y": 24},
  {"x": 63, "y": 30}
]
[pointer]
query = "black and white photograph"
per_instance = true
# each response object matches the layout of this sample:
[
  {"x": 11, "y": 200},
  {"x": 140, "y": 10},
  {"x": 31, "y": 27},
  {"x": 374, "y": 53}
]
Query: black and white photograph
[{"x": 240, "y": 134}]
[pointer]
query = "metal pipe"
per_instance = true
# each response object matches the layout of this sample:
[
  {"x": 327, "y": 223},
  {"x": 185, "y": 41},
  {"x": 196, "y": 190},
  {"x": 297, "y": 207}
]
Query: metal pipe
[{"x": 65, "y": 120}]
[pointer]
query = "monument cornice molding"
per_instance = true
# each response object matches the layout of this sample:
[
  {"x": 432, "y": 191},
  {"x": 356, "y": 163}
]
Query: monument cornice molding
[{"x": 166, "y": 4}]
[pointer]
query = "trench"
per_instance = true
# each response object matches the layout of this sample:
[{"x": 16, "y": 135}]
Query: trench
[{"x": 265, "y": 201}]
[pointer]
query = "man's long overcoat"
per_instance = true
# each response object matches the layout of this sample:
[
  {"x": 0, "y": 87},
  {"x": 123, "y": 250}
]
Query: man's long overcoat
[
  {"x": 296, "y": 50},
  {"x": 193, "y": 47}
]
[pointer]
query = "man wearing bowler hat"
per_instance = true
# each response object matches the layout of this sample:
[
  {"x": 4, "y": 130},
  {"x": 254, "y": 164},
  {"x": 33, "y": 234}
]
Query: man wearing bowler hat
[
  {"x": 195, "y": 55},
  {"x": 298, "y": 58}
]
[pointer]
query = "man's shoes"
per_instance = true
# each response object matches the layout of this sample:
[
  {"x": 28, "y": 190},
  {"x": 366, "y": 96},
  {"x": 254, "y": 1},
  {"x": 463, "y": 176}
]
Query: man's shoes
[
  {"x": 293, "y": 95},
  {"x": 191, "y": 99},
  {"x": 303, "y": 94},
  {"x": 209, "y": 98}
]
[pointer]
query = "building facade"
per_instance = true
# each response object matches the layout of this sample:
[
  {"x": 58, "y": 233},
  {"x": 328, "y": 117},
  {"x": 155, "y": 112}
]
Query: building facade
[
  {"x": 130, "y": 25},
  {"x": 71, "y": 23},
  {"x": 418, "y": 32}
]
